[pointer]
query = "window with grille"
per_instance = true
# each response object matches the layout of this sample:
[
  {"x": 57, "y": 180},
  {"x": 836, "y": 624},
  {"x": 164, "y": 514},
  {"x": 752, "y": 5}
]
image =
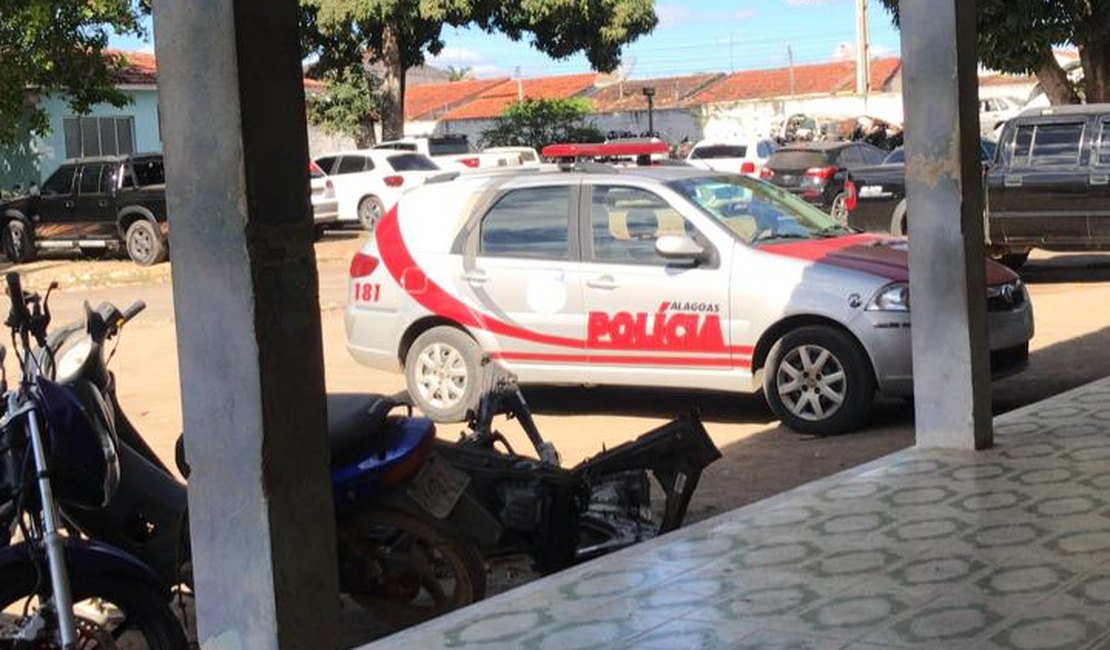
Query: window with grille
[{"x": 99, "y": 136}]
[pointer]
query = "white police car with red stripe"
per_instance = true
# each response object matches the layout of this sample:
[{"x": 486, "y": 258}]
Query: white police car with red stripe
[{"x": 645, "y": 276}]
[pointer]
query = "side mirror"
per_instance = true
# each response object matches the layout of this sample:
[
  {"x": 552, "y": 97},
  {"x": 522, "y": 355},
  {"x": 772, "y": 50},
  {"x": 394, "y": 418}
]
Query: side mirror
[
  {"x": 680, "y": 248},
  {"x": 34, "y": 191}
]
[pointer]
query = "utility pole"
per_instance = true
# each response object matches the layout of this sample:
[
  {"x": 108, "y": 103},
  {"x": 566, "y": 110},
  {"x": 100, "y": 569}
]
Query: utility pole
[
  {"x": 863, "y": 51},
  {"x": 790, "y": 56}
]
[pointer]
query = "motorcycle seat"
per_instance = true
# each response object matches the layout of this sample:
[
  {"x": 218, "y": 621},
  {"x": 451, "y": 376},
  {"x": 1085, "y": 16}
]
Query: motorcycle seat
[{"x": 354, "y": 422}]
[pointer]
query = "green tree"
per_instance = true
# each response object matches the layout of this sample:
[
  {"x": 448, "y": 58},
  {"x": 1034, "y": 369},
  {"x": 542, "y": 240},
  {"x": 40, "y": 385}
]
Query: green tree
[
  {"x": 58, "y": 47},
  {"x": 398, "y": 33},
  {"x": 459, "y": 74},
  {"x": 537, "y": 123},
  {"x": 1018, "y": 36},
  {"x": 350, "y": 104}
]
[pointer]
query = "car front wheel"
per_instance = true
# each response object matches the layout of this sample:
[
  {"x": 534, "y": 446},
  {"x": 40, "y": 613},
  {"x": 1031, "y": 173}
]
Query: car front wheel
[
  {"x": 818, "y": 380},
  {"x": 443, "y": 373},
  {"x": 18, "y": 243},
  {"x": 144, "y": 243}
]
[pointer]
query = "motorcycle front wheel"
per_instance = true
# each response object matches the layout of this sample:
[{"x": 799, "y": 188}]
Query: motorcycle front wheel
[
  {"x": 404, "y": 568},
  {"x": 113, "y": 613}
]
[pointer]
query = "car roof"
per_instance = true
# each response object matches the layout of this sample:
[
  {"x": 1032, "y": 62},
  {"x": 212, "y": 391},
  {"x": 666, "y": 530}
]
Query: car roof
[
  {"x": 372, "y": 153},
  {"x": 818, "y": 146},
  {"x": 1069, "y": 109},
  {"x": 110, "y": 159}
]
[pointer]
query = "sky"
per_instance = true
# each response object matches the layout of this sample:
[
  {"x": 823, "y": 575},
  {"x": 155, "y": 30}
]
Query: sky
[{"x": 692, "y": 36}]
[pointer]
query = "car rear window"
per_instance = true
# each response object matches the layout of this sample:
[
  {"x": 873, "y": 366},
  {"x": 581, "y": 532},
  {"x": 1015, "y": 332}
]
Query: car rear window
[
  {"x": 412, "y": 162},
  {"x": 895, "y": 157},
  {"x": 797, "y": 159},
  {"x": 448, "y": 146},
  {"x": 531, "y": 223},
  {"x": 149, "y": 171},
  {"x": 719, "y": 151}
]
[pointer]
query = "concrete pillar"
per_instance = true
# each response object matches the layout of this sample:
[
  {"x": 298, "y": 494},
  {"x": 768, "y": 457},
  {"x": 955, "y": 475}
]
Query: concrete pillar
[
  {"x": 248, "y": 323},
  {"x": 945, "y": 189}
]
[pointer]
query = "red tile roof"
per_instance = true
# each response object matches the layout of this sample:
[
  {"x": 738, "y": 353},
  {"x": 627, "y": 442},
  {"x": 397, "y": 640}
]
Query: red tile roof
[
  {"x": 139, "y": 69},
  {"x": 670, "y": 92},
  {"x": 493, "y": 101},
  {"x": 430, "y": 99},
  {"x": 811, "y": 79}
]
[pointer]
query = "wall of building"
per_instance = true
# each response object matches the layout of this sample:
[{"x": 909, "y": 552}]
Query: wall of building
[
  {"x": 765, "y": 117},
  {"x": 321, "y": 142},
  {"x": 672, "y": 125}
]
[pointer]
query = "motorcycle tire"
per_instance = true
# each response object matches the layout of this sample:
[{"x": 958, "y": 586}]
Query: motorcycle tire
[
  {"x": 148, "y": 621},
  {"x": 404, "y": 567}
]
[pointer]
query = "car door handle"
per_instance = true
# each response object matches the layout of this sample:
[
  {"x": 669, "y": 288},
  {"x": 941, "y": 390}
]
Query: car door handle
[
  {"x": 1012, "y": 181},
  {"x": 476, "y": 277},
  {"x": 1101, "y": 179},
  {"x": 102, "y": 203},
  {"x": 67, "y": 204},
  {"x": 605, "y": 282}
]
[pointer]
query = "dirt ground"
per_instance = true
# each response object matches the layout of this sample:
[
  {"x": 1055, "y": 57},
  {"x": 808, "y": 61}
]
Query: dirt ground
[{"x": 1071, "y": 294}]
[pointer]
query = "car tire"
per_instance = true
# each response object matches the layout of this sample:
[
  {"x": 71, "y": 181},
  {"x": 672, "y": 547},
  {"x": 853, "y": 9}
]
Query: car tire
[
  {"x": 838, "y": 209},
  {"x": 144, "y": 243},
  {"x": 18, "y": 242},
  {"x": 818, "y": 380},
  {"x": 443, "y": 371},
  {"x": 1014, "y": 260},
  {"x": 899, "y": 222},
  {"x": 370, "y": 211}
]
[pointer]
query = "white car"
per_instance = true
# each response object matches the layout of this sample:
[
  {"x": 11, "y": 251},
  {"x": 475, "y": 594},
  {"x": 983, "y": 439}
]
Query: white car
[
  {"x": 369, "y": 182},
  {"x": 527, "y": 155},
  {"x": 325, "y": 207},
  {"x": 650, "y": 276},
  {"x": 452, "y": 152},
  {"x": 746, "y": 158},
  {"x": 993, "y": 113}
]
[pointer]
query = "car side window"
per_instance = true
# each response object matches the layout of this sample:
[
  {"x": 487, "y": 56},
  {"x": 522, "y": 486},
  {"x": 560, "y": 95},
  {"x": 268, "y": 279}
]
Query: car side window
[
  {"x": 60, "y": 182},
  {"x": 1022, "y": 145},
  {"x": 1057, "y": 144},
  {"x": 532, "y": 223},
  {"x": 90, "y": 179},
  {"x": 354, "y": 165},
  {"x": 626, "y": 221},
  {"x": 872, "y": 156},
  {"x": 327, "y": 163},
  {"x": 1104, "y": 144},
  {"x": 850, "y": 157}
]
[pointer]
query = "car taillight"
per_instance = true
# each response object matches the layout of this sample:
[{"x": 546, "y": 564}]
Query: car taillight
[
  {"x": 748, "y": 167},
  {"x": 767, "y": 173},
  {"x": 850, "y": 201},
  {"x": 820, "y": 173},
  {"x": 394, "y": 181},
  {"x": 469, "y": 162},
  {"x": 363, "y": 265}
]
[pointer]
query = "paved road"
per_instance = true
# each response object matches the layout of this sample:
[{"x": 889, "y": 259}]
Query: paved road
[{"x": 1072, "y": 347}]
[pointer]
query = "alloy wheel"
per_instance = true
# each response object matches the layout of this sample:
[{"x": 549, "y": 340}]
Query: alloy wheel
[
  {"x": 441, "y": 375},
  {"x": 811, "y": 382}
]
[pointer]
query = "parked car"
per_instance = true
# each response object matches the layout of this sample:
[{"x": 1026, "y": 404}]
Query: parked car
[
  {"x": 880, "y": 193},
  {"x": 1049, "y": 184},
  {"x": 368, "y": 182},
  {"x": 810, "y": 171},
  {"x": 93, "y": 205},
  {"x": 994, "y": 111},
  {"x": 645, "y": 276},
  {"x": 452, "y": 152},
  {"x": 746, "y": 158},
  {"x": 325, "y": 207}
]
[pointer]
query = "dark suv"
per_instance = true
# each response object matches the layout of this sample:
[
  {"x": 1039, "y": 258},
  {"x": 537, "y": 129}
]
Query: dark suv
[
  {"x": 811, "y": 171},
  {"x": 92, "y": 205}
]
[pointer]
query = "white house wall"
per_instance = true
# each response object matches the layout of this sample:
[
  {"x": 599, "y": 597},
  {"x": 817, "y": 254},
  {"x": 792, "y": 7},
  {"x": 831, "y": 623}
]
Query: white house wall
[
  {"x": 672, "y": 125},
  {"x": 728, "y": 121}
]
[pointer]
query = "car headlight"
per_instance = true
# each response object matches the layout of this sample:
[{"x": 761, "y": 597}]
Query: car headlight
[{"x": 893, "y": 297}]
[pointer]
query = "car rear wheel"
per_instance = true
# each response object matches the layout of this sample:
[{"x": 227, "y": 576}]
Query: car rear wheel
[
  {"x": 144, "y": 243},
  {"x": 370, "y": 211},
  {"x": 819, "y": 380},
  {"x": 18, "y": 243},
  {"x": 839, "y": 208},
  {"x": 444, "y": 373}
]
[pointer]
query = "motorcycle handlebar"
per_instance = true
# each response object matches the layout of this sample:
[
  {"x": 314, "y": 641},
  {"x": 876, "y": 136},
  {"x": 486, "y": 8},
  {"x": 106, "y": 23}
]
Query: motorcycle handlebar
[{"x": 134, "y": 310}]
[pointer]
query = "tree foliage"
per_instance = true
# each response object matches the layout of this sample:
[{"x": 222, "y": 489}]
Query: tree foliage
[
  {"x": 58, "y": 46},
  {"x": 398, "y": 33},
  {"x": 1018, "y": 37},
  {"x": 461, "y": 73},
  {"x": 537, "y": 123},
  {"x": 350, "y": 104}
]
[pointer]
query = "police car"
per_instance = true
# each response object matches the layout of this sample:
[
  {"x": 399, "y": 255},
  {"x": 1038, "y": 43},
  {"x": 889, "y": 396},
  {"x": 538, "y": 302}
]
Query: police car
[{"x": 645, "y": 276}]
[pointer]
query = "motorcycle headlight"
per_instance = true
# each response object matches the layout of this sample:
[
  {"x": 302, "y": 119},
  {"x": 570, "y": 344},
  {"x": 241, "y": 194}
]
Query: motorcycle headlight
[{"x": 893, "y": 297}]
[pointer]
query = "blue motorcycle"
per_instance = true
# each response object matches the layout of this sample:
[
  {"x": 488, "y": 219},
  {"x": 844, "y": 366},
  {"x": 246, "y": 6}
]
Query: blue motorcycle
[
  {"x": 398, "y": 557},
  {"x": 59, "y": 452}
]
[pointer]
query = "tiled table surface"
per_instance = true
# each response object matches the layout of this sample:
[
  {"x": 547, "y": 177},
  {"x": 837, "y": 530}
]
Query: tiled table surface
[{"x": 1007, "y": 548}]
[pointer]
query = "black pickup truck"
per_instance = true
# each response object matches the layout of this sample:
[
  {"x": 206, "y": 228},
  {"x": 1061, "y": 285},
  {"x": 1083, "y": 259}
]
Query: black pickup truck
[
  {"x": 92, "y": 205},
  {"x": 1048, "y": 186}
]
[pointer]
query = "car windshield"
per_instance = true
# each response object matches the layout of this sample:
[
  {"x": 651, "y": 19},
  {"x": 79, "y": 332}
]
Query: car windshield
[{"x": 757, "y": 212}]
